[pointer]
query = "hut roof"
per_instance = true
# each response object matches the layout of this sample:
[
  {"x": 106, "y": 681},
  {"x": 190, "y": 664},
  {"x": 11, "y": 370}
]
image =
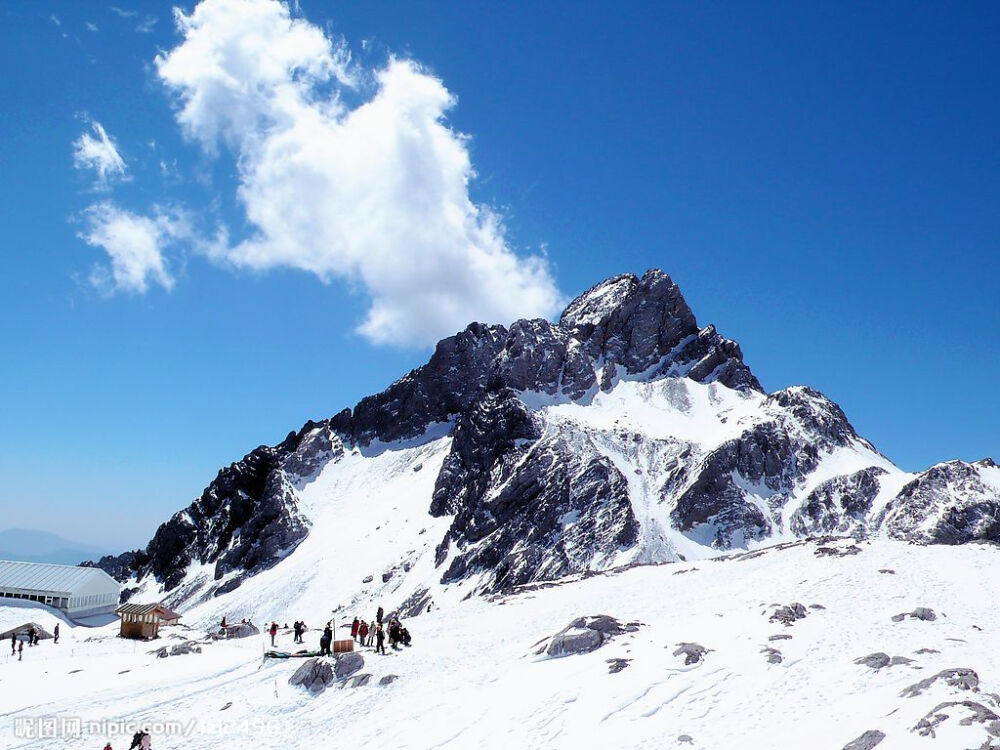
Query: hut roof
[{"x": 147, "y": 609}]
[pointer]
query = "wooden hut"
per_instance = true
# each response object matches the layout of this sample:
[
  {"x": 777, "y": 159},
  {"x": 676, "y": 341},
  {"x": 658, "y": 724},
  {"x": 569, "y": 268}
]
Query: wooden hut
[{"x": 144, "y": 620}]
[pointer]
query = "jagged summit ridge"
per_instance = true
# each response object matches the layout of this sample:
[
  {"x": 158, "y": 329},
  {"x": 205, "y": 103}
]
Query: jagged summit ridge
[{"x": 623, "y": 433}]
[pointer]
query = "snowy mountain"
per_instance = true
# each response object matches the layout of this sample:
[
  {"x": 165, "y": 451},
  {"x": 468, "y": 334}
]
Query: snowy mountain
[{"x": 624, "y": 433}]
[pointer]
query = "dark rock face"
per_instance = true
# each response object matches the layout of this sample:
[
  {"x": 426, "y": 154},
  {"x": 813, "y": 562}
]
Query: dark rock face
[
  {"x": 244, "y": 522},
  {"x": 637, "y": 325},
  {"x": 771, "y": 457},
  {"x": 839, "y": 505},
  {"x": 962, "y": 506},
  {"x": 554, "y": 515}
]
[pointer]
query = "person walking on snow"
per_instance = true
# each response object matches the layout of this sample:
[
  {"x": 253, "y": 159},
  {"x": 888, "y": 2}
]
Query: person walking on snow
[
  {"x": 55, "y": 634},
  {"x": 31, "y": 636},
  {"x": 20, "y": 650},
  {"x": 274, "y": 632},
  {"x": 362, "y": 632},
  {"x": 379, "y": 640},
  {"x": 13, "y": 643},
  {"x": 355, "y": 626},
  {"x": 378, "y": 615}
]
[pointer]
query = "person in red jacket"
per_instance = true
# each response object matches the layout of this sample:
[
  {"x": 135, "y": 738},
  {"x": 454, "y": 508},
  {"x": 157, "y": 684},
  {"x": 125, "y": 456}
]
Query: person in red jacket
[
  {"x": 355, "y": 626},
  {"x": 273, "y": 630},
  {"x": 362, "y": 632}
]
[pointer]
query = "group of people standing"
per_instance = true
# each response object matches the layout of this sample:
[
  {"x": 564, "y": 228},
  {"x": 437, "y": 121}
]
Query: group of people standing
[
  {"x": 17, "y": 644},
  {"x": 374, "y": 633}
]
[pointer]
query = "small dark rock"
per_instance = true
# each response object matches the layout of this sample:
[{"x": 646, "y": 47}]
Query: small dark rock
[
  {"x": 617, "y": 665},
  {"x": 876, "y": 661},
  {"x": 961, "y": 678},
  {"x": 788, "y": 614},
  {"x": 693, "y": 653},
  {"x": 772, "y": 655},
  {"x": 867, "y": 741},
  {"x": 358, "y": 680},
  {"x": 920, "y": 613}
]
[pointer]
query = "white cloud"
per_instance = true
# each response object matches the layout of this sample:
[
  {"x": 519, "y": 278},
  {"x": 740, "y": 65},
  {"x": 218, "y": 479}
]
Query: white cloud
[
  {"x": 91, "y": 26},
  {"x": 100, "y": 154},
  {"x": 123, "y": 13},
  {"x": 135, "y": 246},
  {"x": 376, "y": 194},
  {"x": 145, "y": 26}
]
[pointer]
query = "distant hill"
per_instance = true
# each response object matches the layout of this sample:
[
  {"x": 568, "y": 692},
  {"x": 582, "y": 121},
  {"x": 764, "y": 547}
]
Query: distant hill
[{"x": 32, "y": 545}]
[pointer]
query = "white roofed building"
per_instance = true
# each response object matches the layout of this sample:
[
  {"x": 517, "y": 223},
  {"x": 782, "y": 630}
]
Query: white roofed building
[{"x": 77, "y": 591}]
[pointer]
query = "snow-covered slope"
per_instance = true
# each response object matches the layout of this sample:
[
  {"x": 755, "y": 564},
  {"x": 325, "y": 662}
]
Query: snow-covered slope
[
  {"x": 625, "y": 433},
  {"x": 796, "y": 646}
]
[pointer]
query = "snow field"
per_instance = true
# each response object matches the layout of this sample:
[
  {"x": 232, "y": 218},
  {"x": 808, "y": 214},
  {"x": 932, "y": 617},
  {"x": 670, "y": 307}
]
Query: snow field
[{"x": 472, "y": 679}]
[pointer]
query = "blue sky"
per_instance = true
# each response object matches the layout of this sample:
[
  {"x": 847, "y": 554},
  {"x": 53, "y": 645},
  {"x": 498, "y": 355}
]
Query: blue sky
[{"x": 820, "y": 179}]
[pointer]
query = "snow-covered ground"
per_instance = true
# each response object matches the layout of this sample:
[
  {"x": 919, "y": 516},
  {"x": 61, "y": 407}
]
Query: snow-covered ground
[{"x": 472, "y": 677}]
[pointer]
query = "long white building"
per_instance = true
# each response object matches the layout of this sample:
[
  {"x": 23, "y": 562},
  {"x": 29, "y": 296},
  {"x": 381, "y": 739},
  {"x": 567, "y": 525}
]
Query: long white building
[{"x": 79, "y": 592}]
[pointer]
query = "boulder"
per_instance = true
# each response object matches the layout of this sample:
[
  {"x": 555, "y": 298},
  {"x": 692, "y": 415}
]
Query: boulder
[
  {"x": 315, "y": 675},
  {"x": 584, "y": 634},
  {"x": 347, "y": 664}
]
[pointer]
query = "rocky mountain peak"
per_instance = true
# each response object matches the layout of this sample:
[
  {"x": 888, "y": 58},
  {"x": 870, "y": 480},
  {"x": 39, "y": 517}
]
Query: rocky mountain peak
[{"x": 624, "y": 432}]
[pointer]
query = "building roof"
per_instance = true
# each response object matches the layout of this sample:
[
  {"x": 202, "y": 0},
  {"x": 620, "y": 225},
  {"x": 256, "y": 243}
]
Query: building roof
[
  {"x": 47, "y": 576},
  {"x": 147, "y": 609}
]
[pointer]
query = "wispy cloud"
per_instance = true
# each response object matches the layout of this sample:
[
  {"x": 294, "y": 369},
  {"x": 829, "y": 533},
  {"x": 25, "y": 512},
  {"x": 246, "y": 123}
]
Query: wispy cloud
[
  {"x": 146, "y": 25},
  {"x": 98, "y": 152},
  {"x": 91, "y": 26},
  {"x": 135, "y": 245},
  {"x": 376, "y": 194}
]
